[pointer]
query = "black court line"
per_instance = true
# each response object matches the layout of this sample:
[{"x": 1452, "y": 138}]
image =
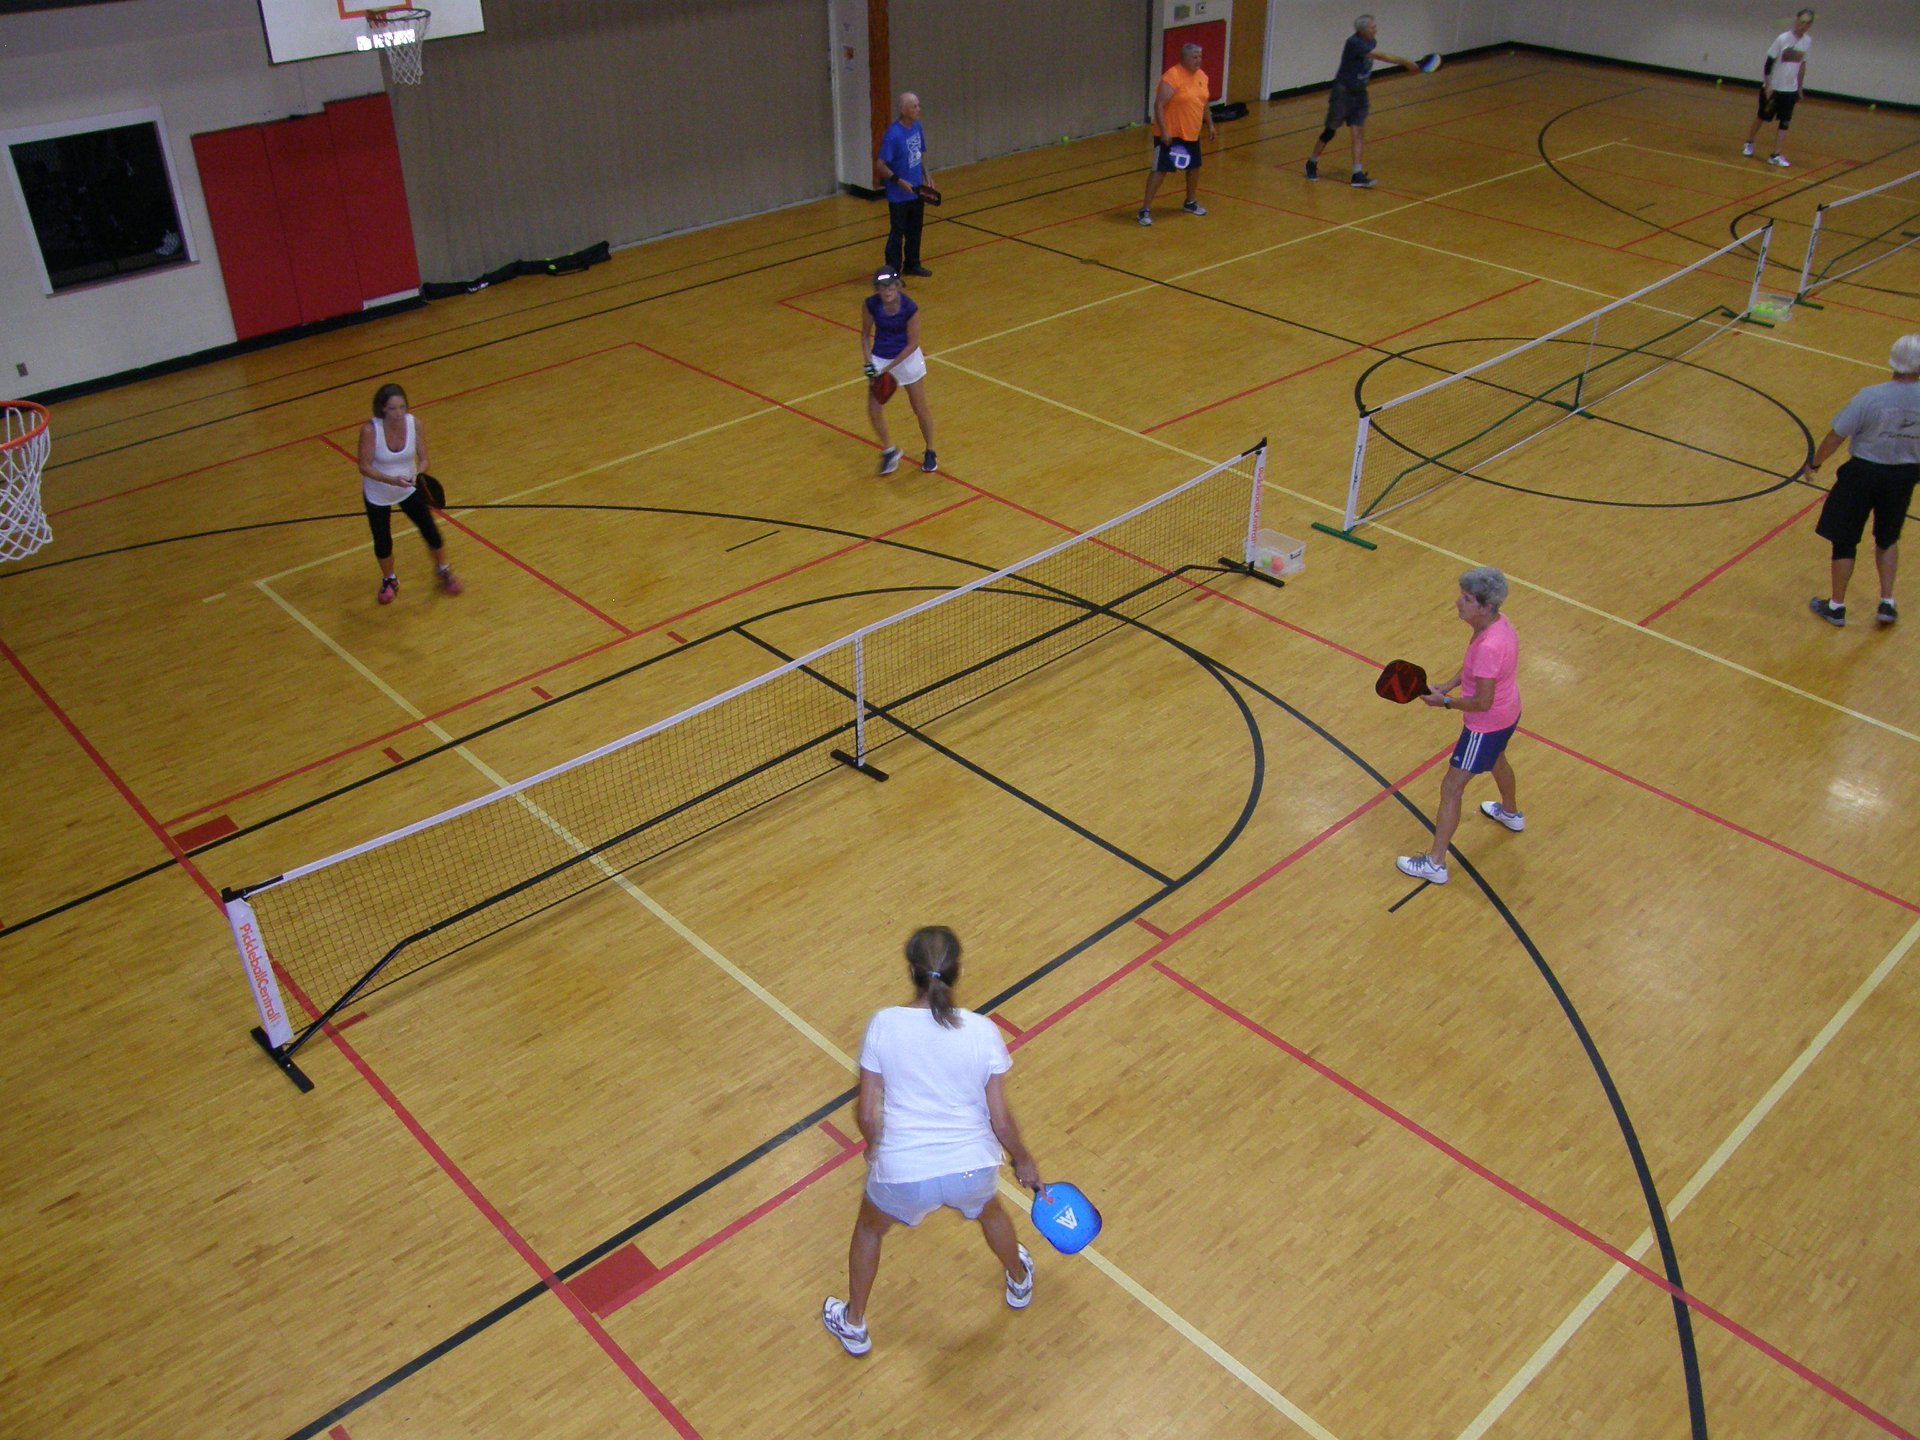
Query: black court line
[
  {"x": 1233, "y": 682},
  {"x": 613, "y": 1242},
  {"x": 1411, "y": 356},
  {"x": 755, "y": 541},
  {"x": 999, "y": 782},
  {"x": 1406, "y": 897},
  {"x": 1131, "y": 168}
]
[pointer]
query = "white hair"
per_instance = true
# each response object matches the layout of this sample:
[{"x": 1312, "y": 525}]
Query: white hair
[
  {"x": 1361, "y": 22},
  {"x": 1906, "y": 355},
  {"x": 1485, "y": 586}
]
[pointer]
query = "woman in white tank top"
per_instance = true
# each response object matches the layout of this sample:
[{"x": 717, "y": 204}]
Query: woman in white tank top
[
  {"x": 933, "y": 1108},
  {"x": 392, "y": 453}
]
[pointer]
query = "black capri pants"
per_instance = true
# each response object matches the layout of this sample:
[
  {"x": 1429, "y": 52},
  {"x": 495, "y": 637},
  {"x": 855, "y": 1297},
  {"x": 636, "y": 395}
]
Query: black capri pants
[
  {"x": 380, "y": 521},
  {"x": 1863, "y": 488}
]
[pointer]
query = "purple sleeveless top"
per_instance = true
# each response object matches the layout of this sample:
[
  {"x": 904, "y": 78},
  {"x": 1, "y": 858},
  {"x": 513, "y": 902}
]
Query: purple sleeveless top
[{"x": 890, "y": 331}]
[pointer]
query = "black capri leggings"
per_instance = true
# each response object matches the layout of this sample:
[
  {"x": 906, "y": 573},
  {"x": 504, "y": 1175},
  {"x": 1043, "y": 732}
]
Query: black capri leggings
[{"x": 380, "y": 521}]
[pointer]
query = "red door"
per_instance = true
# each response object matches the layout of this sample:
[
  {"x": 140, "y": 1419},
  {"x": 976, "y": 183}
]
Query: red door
[{"x": 1211, "y": 37}]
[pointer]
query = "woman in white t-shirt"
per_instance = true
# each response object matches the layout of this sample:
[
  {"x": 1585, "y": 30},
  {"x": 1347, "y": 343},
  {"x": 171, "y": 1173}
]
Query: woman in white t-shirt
[
  {"x": 933, "y": 1109},
  {"x": 393, "y": 452}
]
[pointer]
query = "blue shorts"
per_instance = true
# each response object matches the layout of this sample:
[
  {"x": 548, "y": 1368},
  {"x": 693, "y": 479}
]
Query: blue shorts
[
  {"x": 1476, "y": 750},
  {"x": 911, "y": 1201}
]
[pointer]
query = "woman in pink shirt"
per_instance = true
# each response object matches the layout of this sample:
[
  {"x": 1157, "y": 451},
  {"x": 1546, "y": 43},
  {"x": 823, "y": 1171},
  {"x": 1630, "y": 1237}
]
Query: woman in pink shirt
[{"x": 1489, "y": 714}]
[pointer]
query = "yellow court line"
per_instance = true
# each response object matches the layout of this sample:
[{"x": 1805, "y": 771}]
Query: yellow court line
[
  {"x": 1538, "y": 589},
  {"x": 1565, "y": 1331},
  {"x": 1160, "y": 1308},
  {"x": 1751, "y": 167},
  {"x": 1188, "y": 1330},
  {"x": 500, "y": 782}
]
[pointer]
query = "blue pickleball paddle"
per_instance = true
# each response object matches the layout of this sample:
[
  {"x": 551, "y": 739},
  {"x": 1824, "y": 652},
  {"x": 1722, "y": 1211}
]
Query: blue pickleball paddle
[{"x": 1063, "y": 1214}]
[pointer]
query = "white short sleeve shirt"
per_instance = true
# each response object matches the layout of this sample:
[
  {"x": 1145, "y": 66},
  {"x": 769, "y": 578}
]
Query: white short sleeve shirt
[
  {"x": 1786, "y": 72},
  {"x": 934, "y": 1117}
]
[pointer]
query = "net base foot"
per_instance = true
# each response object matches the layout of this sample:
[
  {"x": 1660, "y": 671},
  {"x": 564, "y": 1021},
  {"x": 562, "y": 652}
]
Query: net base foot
[
  {"x": 1346, "y": 535},
  {"x": 852, "y": 764},
  {"x": 1239, "y": 567},
  {"x": 292, "y": 1071}
]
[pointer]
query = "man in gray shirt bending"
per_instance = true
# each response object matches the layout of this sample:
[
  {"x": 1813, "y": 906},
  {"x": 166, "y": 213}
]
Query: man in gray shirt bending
[{"x": 1882, "y": 428}]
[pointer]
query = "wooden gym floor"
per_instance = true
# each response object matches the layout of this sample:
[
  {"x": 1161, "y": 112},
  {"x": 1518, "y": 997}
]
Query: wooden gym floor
[{"x": 1373, "y": 1163}]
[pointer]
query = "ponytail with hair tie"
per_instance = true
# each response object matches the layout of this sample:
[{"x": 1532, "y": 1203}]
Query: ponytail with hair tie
[{"x": 933, "y": 960}]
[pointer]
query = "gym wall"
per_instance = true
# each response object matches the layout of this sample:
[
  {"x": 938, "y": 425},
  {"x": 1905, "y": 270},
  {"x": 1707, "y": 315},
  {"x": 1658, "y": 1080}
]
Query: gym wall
[
  {"x": 996, "y": 78},
  {"x": 568, "y": 123}
]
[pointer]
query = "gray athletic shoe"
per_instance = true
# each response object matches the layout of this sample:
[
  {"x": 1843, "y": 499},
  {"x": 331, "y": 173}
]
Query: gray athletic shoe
[
  {"x": 1421, "y": 867},
  {"x": 1146, "y": 217},
  {"x": 1194, "y": 207},
  {"x": 889, "y": 460},
  {"x": 1834, "y": 615},
  {"x": 1361, "y": 180},
  {"x": 1887, "y": 613},
  {"x": 1020, "y": 1292},
  {"x": 833, "y": 1315},
  {"x": 1500, "y": 815},
  {"x": 1781, "y": 161}
]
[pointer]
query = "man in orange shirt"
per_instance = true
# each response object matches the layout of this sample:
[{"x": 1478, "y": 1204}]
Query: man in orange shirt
[{"x": 1179, "y": 107}]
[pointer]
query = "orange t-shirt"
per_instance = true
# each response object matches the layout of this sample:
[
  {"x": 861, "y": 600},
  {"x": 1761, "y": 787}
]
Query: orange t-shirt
[{"x": 1187, "y": 104}]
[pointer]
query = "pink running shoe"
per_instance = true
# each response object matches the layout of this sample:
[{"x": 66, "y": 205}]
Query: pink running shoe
[{"x": 389, "y": 588}]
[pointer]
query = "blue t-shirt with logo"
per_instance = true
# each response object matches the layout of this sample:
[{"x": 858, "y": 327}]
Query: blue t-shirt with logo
[
  {"x": 901, "y": 148},
  {"x": 1356, "y": 62}
]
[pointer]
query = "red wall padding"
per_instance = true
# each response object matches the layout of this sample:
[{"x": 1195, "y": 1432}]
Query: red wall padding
[
  {"x": 367, "y": 158},
  {"x": 246, "y": 230},
  {"x": 306, "y": 185},
  {"x": 1211, "y": 37}
]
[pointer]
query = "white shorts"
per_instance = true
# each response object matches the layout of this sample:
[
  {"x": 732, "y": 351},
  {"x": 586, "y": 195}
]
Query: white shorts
[
  {"x": 908, "y": 368},
  {"x": 911, "y": 1201}
]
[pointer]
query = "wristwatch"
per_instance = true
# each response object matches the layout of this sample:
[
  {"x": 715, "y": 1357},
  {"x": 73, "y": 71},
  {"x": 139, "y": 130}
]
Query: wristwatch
[{"x": 1446, "y": 702}]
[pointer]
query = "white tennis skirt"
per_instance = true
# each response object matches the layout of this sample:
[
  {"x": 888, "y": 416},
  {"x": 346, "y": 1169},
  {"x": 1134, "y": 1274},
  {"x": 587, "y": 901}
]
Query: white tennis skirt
[{"x": 908, "y": 368}]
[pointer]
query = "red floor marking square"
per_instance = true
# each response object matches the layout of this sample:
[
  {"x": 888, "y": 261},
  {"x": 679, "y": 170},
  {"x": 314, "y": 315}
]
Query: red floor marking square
[
  {"x": 1151, "y": 928},
  {"x": 338, "y": 1432},
  {"x": 614, "y": 1281},
  {"x": 541, "y": 693},
  {"x": 1005, "y": 1024},
  {"x": 205, "y": 834},
  {"x": 392, "y": 754},
  {"x": 676, "y": 637}
]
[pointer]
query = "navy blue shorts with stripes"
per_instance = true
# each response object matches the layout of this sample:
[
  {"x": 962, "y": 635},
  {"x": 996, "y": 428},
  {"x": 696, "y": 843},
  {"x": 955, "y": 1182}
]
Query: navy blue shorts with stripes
[{"x": 1476, "y": 750}]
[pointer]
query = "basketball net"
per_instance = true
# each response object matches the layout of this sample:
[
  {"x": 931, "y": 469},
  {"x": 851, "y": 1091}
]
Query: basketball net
[
  {"x": 24, "y": 442},
  {"x": 401, "y": 38}
]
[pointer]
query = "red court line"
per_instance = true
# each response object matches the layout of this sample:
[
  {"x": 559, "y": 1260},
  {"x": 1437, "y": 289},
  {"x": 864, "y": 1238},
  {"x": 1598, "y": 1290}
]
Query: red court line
[
  {"x": 548, "y": 669},
  {"x": 1726, "y": 565},
  {"x": 1540, "y": 1207},
  {"x": 1746, "y": 199},
  {"x": 1151, "y": 928},
  {"x": 1355, "y": 655},
  {"x": 760, "y": 1211},
  {"x": 1234, "y": 898},
  {"x": 1005, "y": 1024},
  {"x": 544, "y": 695},
  {"x": 392, "y": 754},
  {"x": 502, "y": 1226},
  {"x": 1722, "y": 821},
  {"x": 506, "y": 555},
  {"x": 1331, "y": 359},
  {"x": 835, "y": 1134},
  {"x": 320, "y": 435}
]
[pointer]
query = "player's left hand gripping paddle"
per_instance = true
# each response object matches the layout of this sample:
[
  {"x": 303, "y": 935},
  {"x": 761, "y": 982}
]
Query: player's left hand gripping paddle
[{"x": 1063, "y": 1214}]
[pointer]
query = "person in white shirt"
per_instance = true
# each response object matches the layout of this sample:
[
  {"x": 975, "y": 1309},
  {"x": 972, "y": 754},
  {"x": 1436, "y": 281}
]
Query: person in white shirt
[
  {"x": 1782, "y": 79},
  {"x": 933, "y": 1108},
  {"x": 393, "y": 453}
]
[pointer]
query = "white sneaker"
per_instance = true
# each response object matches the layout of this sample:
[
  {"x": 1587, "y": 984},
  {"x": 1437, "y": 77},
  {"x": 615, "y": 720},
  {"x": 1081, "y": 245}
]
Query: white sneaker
[
  {"x": 1020, "y": 1292},
  {"x": 1145, "y": 217},
  {"x": 1512, "y": 819},
  {"x": 1194, "y": 207},
  {"x": 1747, "y": 150},
  {"x": 833, "y": 1315},
  {"x": 1421, "y": 867},
  {"x": 889, "y": 461},
  {"x": 1781, "y": 161}
]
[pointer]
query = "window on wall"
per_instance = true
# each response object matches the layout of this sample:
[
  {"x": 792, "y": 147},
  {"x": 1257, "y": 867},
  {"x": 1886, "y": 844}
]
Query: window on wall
[{"x": 99, "y": 198}]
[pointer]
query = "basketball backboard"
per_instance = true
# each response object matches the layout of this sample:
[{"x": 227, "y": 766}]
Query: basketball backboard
[{"x": 308, "y": 29}]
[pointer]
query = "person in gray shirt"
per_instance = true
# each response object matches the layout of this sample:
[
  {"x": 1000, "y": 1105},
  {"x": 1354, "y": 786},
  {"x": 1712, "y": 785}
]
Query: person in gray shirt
[{"x": 1881, "y": 426}]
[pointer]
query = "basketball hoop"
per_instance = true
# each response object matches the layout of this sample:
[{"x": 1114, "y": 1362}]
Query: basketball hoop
[
  {"x": 23, "y": 453},
  {"x": 400, "y": 36}
]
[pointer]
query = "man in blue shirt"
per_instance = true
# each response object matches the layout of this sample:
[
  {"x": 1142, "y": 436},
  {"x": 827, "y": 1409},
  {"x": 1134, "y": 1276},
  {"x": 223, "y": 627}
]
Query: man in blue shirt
[
  {"x": 903, "y": 164},
  {"x": 1347, "y": 102}
]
